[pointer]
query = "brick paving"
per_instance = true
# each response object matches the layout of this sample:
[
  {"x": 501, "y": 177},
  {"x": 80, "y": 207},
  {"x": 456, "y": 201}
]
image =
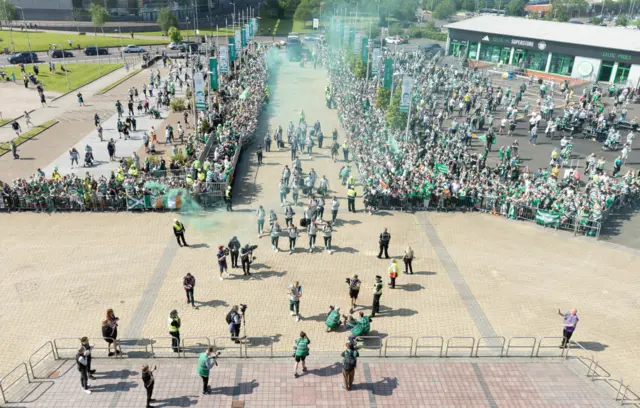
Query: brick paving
[
  {"x": 378, "y": 383},
  {"x": 475, "y": 274}
]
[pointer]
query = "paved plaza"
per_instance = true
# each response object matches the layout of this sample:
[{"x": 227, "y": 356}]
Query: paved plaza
[{"x": 475, "y": 276}]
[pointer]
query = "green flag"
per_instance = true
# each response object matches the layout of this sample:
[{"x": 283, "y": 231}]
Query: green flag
[
  {"x": 548, "y": 218},
  {"x": 213, "y": 73},
  {"x": 232, "y": 48},
  {"x": 365, "y": 49},
  {"x": 388, "y": 73},
  {"x": 243, "y": 36},
  {"x": 483, "y": 138},
  {"x": 441, "y": 168}
]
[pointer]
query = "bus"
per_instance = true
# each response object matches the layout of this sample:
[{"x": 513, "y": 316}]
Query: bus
[{"x": 294, "y": 47}]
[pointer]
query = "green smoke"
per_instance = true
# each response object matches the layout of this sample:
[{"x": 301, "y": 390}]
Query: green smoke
[{"x": 193, "y": 213}]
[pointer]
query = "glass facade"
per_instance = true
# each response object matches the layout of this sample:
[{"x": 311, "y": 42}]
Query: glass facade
[
  {"x": 495, "y": 53},
  {"x": 622, "y": 73},
  {"x": 536, "y": 60},
  {"x": 519, "y": 57},
  {"x": 473, "y": 50},
  {"x": 561, "y": 64}
]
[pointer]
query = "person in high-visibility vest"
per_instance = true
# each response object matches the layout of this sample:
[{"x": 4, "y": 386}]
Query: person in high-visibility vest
[
  {"x": 178, "y": 230},
  {"x": 394, "y": 271},
  {"x": 227, "y": 198},
  {"x": 174, "y": 330},
  {"x": 345, "y": 151},
  {"x": 351, "y": 198}
]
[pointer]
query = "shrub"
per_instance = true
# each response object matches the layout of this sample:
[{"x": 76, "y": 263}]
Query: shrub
[
  {"x": 82, "y": 33},
  {"x": 177, "y": 105},
  {"x": 187, "y": 93},
  {"x": 180, "y": 158}
]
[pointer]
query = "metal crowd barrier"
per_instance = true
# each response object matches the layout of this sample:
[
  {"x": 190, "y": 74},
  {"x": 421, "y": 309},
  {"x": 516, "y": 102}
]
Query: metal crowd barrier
[
  {"x": 377, "y": 346},
  {"x": 258, "y": 343},
  {"x": 236, "y": 346},
  {"x": 195, "y": 348},
  {"x": 439, "y": 347},
  {"x": 154, "y": 348},
  {"x": 33, "y": 364},
  {"x": 531, "y": 347},
  {"x": 488, "y": 346},
  {"x": 4, "y": 387},
  {"x": 409, "y": 347},
  {"x": 460, "y": 347}
]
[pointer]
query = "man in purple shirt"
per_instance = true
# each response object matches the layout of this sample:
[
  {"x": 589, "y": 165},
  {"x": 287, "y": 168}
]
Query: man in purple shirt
[{"x": 568, "y": 325}]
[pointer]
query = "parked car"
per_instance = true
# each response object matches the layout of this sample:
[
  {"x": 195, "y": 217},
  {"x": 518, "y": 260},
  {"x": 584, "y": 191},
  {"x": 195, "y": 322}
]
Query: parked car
[
  {"x": 95, "y": 51},
  {"x": 133, "y": 49},
  {"x": 176, "y": 46},
  {"x": 431, "y": 48},
  {"x": 23, "y": 58},
  {"x": 392, "y": 40},
  {"x": 310, "y": 39},
  {"x": 59, "y": 54}
]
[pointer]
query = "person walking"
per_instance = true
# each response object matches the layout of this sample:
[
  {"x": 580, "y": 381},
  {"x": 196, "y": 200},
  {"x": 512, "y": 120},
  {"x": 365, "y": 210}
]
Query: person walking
[
  {"x": 377, "y": 294},
  {"x": 345, "y": 151},
  {"x": 301, "y": 352},
  {"x": 383, "y": 241},
  {"x": 174, "y": 330},
  {"x": 188, "y": 283},
  {"x": 293, "y": 234},
  {"x": 149, "y": 382},
  {"x": 295, "y": 293},
  {"x": 349, "y": 362},
  {"x": 394, "y": 272},
  {"x": 27, "y": 119},
  {"x": 288, "y": 215},
  {"x": 275, "y": 236},
  {"x": 327, "y": 230},
  {"x": 408, "y": 259},
  {"x": 234, "y": 320},
  {"x": 112, "y": 332},
  {"x": 81, "y": 362},
  {"x": 534, "y": 134},
  {"x": 569, "y": 323},
  {"x": 246, "y": 256},
  {"x": 351, "y": 199},
  {"x": 354, "y": 290},
  {"x": 206, "y": 361},
  {"x": 179, "y": 230},
  {"x": 73, "y": 154},
  {"x": 259, "y": 154},
  {"x": 312, "y": 232},
  {"x": 222, "y": 262},
  {"x": 335, "y": 204},
  {"x": 84, "y": 342},
  {"x": 260, "y": 220}
]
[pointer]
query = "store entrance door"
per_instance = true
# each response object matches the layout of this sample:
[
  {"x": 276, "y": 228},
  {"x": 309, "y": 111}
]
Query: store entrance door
[
  {"x": 504, "y": 55},
  {"x": 455, "y": 49},
  {"x": 518, "y": 57},
  {"x": 606, "y": 68}
]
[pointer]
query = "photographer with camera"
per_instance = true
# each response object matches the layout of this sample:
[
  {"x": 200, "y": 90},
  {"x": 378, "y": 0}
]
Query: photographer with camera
[
  {"x": 149, "y": 382},
  {"x": 234, "y": 246},
  {"x": 206, "y": 361},
  {"x": 247, "y": 257},
  {"x": 234, "y": 320}
]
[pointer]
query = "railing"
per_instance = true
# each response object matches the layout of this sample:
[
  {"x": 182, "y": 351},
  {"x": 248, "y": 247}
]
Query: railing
[
  {"x": 154, "y": 341},
  {"x": 534, "y": 347}
]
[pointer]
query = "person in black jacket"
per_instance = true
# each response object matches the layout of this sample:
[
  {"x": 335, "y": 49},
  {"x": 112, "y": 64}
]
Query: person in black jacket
[
  {"x": 149, "y": 382},
  {"x": 85, "y": 343},
  {"x": 81, "y": 362},
  {"x": 234, "y": 247},
  {"x": 247, "y": 257},
  {"x": 385, "y": 237}
]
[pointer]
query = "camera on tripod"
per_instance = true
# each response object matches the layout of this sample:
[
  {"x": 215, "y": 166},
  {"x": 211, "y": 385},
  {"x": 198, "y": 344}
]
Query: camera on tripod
[{"x": 243, "y": 308}]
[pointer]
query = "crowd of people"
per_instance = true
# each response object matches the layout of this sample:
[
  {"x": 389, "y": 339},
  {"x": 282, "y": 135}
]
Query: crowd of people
[
  {"x": 433, "y": 160},
  {"x": 231, "y": 118}
]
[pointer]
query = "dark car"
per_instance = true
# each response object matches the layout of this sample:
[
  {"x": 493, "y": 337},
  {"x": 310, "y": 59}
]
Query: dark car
[
  {"x": 431, "y": 48},
  {"x": 23, "y": 58},
  {"x": 95, "y": 51},
  {"x": 58, "y": 54},
  {"x": 189, "y": 47}
]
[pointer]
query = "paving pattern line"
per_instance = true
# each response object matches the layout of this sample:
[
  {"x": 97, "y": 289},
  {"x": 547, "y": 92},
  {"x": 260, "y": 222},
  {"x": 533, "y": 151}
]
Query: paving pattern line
[
  {"x": 141, "y": 314},
  {"x": 369, "y": 385},
  {"x": 117, "y": 393},
  {"x": 236, "y": 388},
  {"x": 457, "y": 280},
  {"x": 484, "y": 385}
]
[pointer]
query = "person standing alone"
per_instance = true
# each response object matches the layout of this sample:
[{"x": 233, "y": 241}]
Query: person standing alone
[
  {"x": 179, "y": 230},
  {"x": 568, "y": 326},
  {"x": 149, "y": 382},
  {"x": 377, "y": 294},
  {"x": 206, "y": 361},
  {"x": 349, "y": 362},
  {"x": 174, "y": 330},
  {"x": 385, "y": 237},
  {"x": 188, "y": 283}
]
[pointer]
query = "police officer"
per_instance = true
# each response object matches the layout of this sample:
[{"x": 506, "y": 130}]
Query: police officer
[
  {"x": 227, "y": 198},
  {"x": 377, "y": 294},
  {"x": 234, "y": 247},
  {"x": 174, "y": 330},
  {"x": 385, "y": 237},
  {"x": 351, "y": 199},
  {"x": 178, "y": 230}
]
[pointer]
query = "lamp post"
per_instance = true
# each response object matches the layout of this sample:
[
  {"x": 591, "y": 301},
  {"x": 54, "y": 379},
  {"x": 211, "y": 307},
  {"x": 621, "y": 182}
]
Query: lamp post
[
  {"x": 10, "y": 28},
  {"x": 27, "y": 31}
]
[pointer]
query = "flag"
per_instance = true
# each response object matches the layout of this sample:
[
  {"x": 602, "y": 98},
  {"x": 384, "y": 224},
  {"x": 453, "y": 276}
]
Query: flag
[
  {"x": 224, "y": 59},
  {"x": 232, "y": 48},
  {"x": 548, "y": 218},
  {"x": 213, "y": 76},
  {"x": 365, "y": 49},
  {"x": 134, "y": 203},
  {"x": 483, "y": 139},
  {"x": 405, "y": 97},
  {"x": 238, "y": 41},
  {"x": 441, "y": 168},
  {"x": 357, "y": 42},
  {"x": 375, "y": 60},
  {"x": 388, "y": 73}
]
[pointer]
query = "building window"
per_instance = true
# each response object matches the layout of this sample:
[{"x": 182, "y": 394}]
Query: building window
[
  {"x": 473, "y": 50},
  {"x": 536, "y": 60},
  {"x": 561, "y": 64},
  {"x": 622, "y": 74},
  {"x": 495, "y": 53}
]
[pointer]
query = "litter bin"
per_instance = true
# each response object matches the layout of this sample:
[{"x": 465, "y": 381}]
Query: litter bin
[{"x": 510, "y": 75}]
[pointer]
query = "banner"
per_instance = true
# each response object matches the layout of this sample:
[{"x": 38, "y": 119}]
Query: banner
[
  {"x": 548, "y": 218},
  {"x": 483, "y": 139},
  {"x": 352, "y": 36},
  {"x": 238, "y": 42},
  {"x": 254, "y": 23},
  {"x": 213, "y": 73},
  {"x": 441, "y": 168},
  {"x": 154, "y": 201},
  {"x": 232, "y": 48},
  {"x": 388, "y": 73},
  {"x": 357, "y": 42},
  {"x": 198, "y": 88},
  {"x": 405, "y": 97},
  {"x": 244, "y": 31},
  {"x": 224, "y": 59},
  {"x": 345, "y": 36},
  {"x": 250, "y": 29},
  {"x": 375, "y": 60},
  {"x": 365, "y": 50},
  {"x": 316, "y": 23}
]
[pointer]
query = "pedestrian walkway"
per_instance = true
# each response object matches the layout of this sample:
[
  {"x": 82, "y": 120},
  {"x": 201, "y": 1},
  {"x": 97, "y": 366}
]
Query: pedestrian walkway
[{"x": 270, "y": 383}]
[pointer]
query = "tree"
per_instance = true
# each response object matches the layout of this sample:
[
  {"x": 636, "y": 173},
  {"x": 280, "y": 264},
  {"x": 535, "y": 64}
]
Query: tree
[
  {"x": 166, "y": 20},
  {"x": 8, "y": 11},
  {"x": 622, "y": 21},
  {"x": 444, "y": 10},
  {"x": 469, "y": 5},
  {"x": 99, "y": 16},
  {"x": 174, "y": 34},
  {"x": 306, "y": 10},
  {"x": 515, "y": 8}
]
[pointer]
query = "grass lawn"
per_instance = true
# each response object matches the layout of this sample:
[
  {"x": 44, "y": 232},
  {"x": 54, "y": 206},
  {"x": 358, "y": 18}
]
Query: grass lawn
[
  {"x": 190, "y": 33},
  {"x": 40, "y": 41},
  {"x": 118, "y": 82},
  {"x": 5, "y": 121},
  {"x": 4, "y": 148},
  {"x": 79, "y": 75}
]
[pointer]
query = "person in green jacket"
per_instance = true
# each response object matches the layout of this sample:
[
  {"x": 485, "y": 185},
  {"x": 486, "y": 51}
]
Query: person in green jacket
[
  {"x": 359, "y": 327},
  {"x": 206, "y": 361},
  {"x": 301, "y": 352},
  {"x": 333, "y": 319}
]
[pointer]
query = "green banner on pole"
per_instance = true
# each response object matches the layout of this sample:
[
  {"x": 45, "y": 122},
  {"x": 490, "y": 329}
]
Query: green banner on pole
[
  {"x": 232, "y": 48},
  {"x": 213, "y": 73},
  {"x": 388, "y": 73},
  {"x": 251, "y": 26},
  {"x": 352, "y": 36},
  {"x": 441, "y": 168},
  {"x": 243, "y": 35},
  {"x": 365, "y": 49}
]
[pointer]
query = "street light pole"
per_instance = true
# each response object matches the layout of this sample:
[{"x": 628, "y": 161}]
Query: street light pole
[
  {"x": 10, "y": 27},
  {"x": 27, "y": 30}
]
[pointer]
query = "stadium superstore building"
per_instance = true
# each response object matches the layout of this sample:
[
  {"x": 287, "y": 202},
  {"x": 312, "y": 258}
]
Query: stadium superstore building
[{"x": 589, "y": 52}]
